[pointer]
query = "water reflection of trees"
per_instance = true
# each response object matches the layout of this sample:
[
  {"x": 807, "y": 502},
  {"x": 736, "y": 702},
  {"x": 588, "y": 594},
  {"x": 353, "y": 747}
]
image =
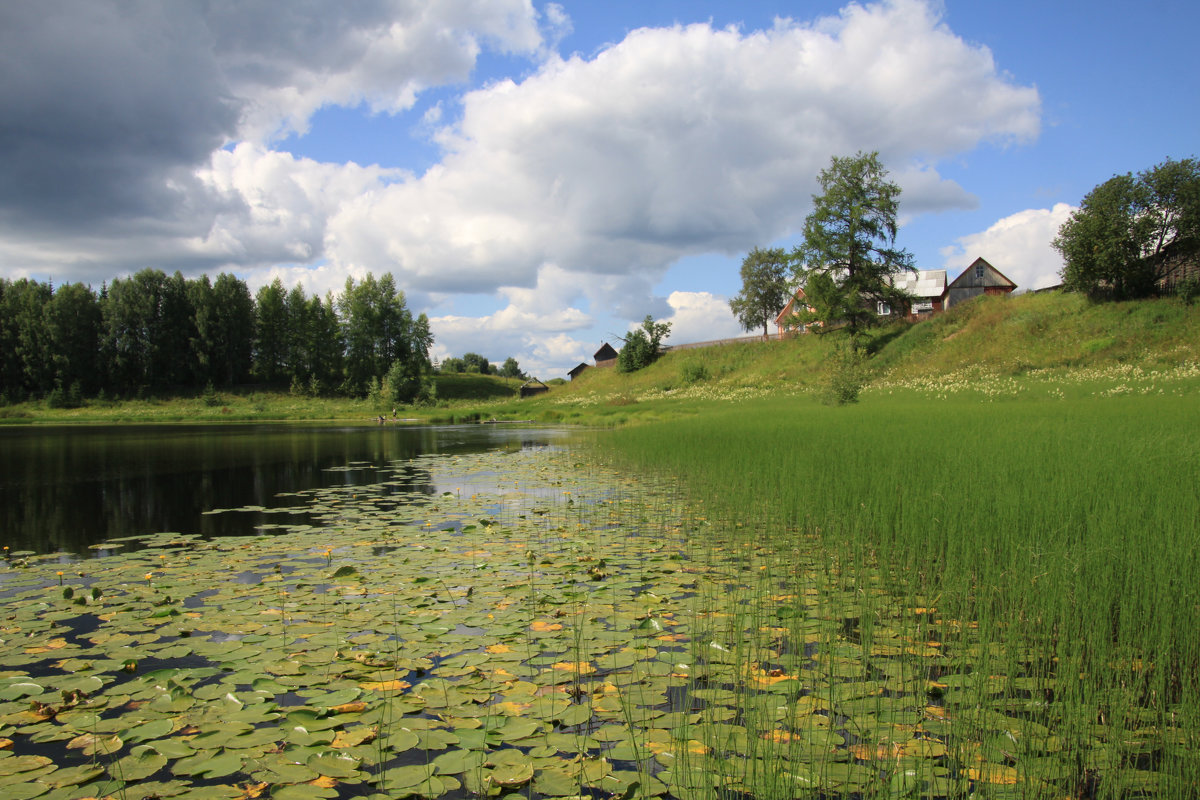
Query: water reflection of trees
[{"x": 65, "y": 489}]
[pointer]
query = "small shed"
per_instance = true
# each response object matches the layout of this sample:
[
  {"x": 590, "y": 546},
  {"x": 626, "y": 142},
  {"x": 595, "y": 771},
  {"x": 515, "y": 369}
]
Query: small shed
[
  {"x": 576, "y": 371},
  {"x": 532, "y": 388},
  {"x": 977, "y": 279},
  {"x": 606, "y": 356}
]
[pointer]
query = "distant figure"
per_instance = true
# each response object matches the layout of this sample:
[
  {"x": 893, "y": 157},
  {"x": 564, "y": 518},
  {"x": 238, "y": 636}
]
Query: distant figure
[
  {"x": 393, "y": 413},
  {"x": 381, "y": 419}
]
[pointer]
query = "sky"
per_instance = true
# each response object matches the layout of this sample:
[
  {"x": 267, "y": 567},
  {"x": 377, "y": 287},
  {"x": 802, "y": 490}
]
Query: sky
[{"x": 540, "y": 176}]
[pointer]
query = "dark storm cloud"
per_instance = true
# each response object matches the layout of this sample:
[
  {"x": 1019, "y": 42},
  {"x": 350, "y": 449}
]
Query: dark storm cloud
[
  {"x": 105, "y": 110},
  {"x": 114, "y": 112}
]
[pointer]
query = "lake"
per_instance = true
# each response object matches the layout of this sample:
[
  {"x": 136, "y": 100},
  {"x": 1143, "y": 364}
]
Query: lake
[{"x": 66, "y": 488}]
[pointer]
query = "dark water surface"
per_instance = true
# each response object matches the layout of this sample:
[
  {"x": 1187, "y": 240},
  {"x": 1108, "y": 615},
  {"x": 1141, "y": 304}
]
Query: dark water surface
[{"x": 65, "y": 488}]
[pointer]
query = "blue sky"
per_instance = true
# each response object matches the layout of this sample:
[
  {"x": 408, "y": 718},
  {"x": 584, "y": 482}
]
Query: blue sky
[{"x": 539, "y": 176}]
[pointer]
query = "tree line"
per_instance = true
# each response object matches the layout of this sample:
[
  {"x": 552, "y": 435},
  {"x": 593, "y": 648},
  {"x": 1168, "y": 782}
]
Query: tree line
[
  {"x": 475, "y": 363},
  {"x": 153, "y": 333}
]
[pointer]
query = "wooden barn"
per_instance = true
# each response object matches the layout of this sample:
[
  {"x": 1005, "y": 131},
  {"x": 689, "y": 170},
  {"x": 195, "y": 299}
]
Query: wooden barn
[
  {"x": 576, "y": 371},
  {"x": 606, "y": 356},
  {"x": 532, "y": 388},
  {"x": 978, "y": 279}
]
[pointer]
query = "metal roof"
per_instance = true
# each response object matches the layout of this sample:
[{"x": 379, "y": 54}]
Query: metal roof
[{"x": 923, "y": 283}]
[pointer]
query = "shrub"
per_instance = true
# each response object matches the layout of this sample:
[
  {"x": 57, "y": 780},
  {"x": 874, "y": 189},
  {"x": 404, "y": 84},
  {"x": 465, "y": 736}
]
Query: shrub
[
  {"x": 1188, "y": 290},
  {"x": 210, "y": 396},
  {"x": 846, "y": 378},
  {"x": 693, "y": 372}
]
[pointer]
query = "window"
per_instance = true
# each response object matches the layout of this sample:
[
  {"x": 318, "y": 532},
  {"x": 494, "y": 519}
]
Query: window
[
  {"x": 979, "y": 272},
  {"x": 883, "y": 309},
  {"x": 922, "y": 305}
]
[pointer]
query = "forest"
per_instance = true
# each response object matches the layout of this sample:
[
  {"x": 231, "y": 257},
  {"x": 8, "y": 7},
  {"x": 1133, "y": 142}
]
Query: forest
[{"x": 153, "y": 333}]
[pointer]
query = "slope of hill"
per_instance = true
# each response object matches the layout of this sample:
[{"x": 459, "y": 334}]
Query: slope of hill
[{"x": 1047, "y": 341}]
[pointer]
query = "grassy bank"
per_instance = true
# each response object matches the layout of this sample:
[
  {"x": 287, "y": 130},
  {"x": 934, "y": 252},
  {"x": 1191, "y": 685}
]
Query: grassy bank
[
  {"x": 464, "y": 391},
  {"x": 1052, "y": 345}
]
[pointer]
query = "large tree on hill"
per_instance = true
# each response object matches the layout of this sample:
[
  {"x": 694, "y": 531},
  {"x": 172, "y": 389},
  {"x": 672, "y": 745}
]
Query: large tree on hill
[
  {"x": 1118, "y": 245},
  {"x": 766, "y": 287},
  {"x": 849, "y": 253}
]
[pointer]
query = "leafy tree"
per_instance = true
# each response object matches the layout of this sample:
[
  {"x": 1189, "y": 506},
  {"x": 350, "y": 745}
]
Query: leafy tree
[
  {"x": 473, "y": 362},
  {"x": 380, "y": 331},
  {"x": 27, "y": 365},
  {"x": 328, "y": 348},
  {"x": 173, "y": 361},
  {"x": 1120, "y": 242},
  {"x": 271, "y": 333},
  {"x": 511, "y": 369},
  {"x": 149, "y": 328},
  {"x": 642, "y": 346},
  {"x": 73, "y": 325},
  {"x": 849, "y": 256},
  {"x": 765, "y": 288},
  {"x": 453, "y": 365},
  {"x": 232, "y": 333}
]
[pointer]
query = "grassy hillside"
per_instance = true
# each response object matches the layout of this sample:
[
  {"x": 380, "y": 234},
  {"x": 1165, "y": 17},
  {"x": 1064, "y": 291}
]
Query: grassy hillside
[{"x": 1045, "y": 343}]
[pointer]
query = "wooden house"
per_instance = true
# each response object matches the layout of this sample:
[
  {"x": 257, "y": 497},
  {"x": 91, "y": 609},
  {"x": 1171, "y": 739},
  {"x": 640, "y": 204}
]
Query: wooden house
[
  {"x": 1176, "y": 263},
  {"x": 531, "y": 388},
  {"x": 785, "y": 325},
  {"x": 576, "y": 371},
  {"x": 606, "y": 356},
  {"x": 978, "y": 279}
]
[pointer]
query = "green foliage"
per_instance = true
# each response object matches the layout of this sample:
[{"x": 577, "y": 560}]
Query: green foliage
[
  {"x": 1188, "y": 290},
  {"x": 693, "y": 372},
  {"x": 1130, "y": 230},
  {"x": 210, "y": 397},
  {"x": 643, "y": 346},
  {"x": 511, "y": 369},
  {"x": 453, "y": 365},
  {"x": 408, "y": 382},
  {"x": 473, "y": 362},
  {"x": 849, "y": 256},
  {"x": 766, "y": 288},
  {"x": 379, "y": 331},
  {"x": 847, "y": 376}
]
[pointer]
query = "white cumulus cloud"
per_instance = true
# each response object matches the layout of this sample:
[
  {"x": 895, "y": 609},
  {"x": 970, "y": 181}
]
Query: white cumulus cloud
[
  {"x": 683, "y": 140},
  {"x": 700, "y": 317},
  {"x": 1018, "y": 246}
]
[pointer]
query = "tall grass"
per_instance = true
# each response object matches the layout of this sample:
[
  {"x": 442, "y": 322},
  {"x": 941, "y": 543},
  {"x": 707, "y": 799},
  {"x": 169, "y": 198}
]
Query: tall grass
[{"x": 1046, "y": 548}]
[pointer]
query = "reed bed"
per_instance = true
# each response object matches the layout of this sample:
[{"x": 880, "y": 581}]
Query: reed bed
[{"x": 1027, "y": 569}]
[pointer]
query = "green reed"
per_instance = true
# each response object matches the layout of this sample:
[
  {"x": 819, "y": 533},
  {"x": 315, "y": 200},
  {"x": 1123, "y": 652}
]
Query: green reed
[{"x": 1046, "y": 547}]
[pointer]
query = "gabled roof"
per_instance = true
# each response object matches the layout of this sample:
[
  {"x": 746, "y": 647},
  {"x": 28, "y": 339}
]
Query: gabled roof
[
  {"x": 992, "y": 277},
  {"x": 605, "y": 353},
  {"x": 787, "y": 311},
  {"x": 578, "y": 368}
]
